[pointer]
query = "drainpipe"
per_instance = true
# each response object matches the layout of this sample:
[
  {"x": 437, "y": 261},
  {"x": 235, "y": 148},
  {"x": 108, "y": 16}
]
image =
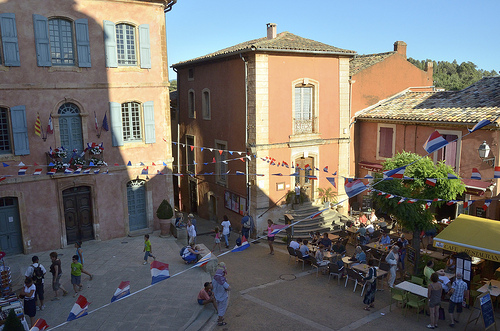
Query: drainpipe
[
  {"x": 247, "y": 162},
  {"x": 169, "y": 6},
  {"x": 178, "y": 115}
]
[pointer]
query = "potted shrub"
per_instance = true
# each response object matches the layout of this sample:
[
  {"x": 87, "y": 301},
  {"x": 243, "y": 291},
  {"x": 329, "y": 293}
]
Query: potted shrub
[
  {"x": 326, "y": 195},
  {"x": 165, "y": 214}
]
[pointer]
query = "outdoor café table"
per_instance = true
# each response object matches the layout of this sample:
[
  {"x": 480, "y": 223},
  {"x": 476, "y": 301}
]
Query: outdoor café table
[
  {"x": 328, "y": 255},
  {"x": 435, "y": 254},
  {"x": 363, "y": 268},
  {"x": 347, "y": 261},
  {"x": 413, "y": 288},
  {"x": 352, "y": 235},
  {"x": 378, "y": 247},
  {"x": 495, "y": 288},
  {"x": 333, "y": 237}
]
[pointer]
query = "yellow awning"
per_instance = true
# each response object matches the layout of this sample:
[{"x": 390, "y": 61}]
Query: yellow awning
[{"x": 474, "y": 235}]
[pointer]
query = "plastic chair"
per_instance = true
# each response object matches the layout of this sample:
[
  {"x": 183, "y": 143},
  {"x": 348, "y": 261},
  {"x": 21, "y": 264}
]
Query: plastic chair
[
  {"x": 300, "y": 257},
  {"x": 415, "y": 301},
  {"x": 351, "y": 275},
  {"x": 291, "y": 253},
  {"x": 417, "y": 280},
  {"x": 316, "y": 264},
  {"x": 333, "y": 270},
  {"x": 398, "y": 296},
  {"x": 359, "y": 280}
]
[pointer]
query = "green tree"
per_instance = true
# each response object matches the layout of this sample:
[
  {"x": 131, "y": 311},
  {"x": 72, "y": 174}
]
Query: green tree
[
  {"x": 173, "y": 85},
  {"x": 414, "y": 216}
]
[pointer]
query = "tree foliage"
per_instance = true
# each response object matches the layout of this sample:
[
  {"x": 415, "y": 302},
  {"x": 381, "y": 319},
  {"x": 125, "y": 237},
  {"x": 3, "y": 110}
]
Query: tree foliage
[
  {"x": 173, "y": 85},
  {"x": 414, "y": 216},
  {"x": 454, "y": 76},
  {"x": 164, "y": 211}
]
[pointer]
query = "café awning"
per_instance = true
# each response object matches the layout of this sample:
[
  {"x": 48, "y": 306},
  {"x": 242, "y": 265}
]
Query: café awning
[
  {"x": 370, "y": 166},
  {"x": 474, "y": 235},
  {"x": 475, "y": 187}
]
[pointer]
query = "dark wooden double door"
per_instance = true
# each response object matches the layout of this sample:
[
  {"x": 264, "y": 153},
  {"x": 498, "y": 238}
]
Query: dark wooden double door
[{"x": 78, "y": 214}]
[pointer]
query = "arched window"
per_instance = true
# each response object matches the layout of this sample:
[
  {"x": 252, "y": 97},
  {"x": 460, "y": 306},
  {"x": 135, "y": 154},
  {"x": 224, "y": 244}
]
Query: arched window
[
  {"x": 305, "y": 94},
  {"x": 70, "y": 127},
  {"x": 191, "y": 104}
]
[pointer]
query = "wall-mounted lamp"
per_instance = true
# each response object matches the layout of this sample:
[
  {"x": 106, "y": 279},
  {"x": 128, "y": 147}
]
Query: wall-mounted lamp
[{"x": 484, "y": 152}]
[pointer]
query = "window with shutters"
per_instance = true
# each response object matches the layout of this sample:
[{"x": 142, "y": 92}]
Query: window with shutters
[
  {"x": 191, "y": 104},
  {"x": 221, "y": 159},
  {"x": 5, "y": 145},
  {"x": 131, "y": 121},
  {"x": 191, "y": 167},
  {"x": 9, "y": 46},
  {"x": 386, "y": 141},
  {"x": 450, "y": 153},
  {"x": 205, "y": 104},
  {"x": 61, "y": 42},
  {"x": 125, "y": 45},
  {"x": 305, "y": 96}
]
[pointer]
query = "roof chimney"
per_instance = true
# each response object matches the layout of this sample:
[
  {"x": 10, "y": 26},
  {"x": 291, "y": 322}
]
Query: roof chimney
[
  {"x": 400, "y": 47},
  {"x": 271, "y": 30}
]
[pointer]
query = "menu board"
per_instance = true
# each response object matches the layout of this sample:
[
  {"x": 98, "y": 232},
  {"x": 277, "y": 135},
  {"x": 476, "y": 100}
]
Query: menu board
[
  {"x": 464, "y": 267},
  {"x": 487, "y": 310}
]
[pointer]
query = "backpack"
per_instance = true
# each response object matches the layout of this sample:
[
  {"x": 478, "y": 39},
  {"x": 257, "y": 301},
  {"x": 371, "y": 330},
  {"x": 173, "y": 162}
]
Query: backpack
[
  {"x": 181, "y": 253},
  {"x": 37, "y": 274},
  {"x": 247, "y": 224}
]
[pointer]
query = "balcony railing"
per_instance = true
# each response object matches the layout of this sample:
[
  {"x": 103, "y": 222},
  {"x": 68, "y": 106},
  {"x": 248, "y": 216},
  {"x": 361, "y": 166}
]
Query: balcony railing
[{"x": 301, "y": 126}]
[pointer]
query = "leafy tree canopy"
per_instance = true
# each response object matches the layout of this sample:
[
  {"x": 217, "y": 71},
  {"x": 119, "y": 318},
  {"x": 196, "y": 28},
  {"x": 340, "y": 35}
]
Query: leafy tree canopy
[
  {"x": 454, "y": 76},
  {"x": 414, "y": 216},
  {"x": 173, "y": 85}
]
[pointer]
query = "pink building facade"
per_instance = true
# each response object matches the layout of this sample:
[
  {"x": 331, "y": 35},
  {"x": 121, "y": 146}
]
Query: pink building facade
[{"x": 80, "y": 62}]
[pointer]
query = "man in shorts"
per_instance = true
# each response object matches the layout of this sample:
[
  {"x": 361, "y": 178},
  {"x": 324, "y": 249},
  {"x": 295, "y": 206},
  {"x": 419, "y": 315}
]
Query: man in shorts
[
  {"x": 206, "y": 295},
  {"x": 458, "y": 291}
]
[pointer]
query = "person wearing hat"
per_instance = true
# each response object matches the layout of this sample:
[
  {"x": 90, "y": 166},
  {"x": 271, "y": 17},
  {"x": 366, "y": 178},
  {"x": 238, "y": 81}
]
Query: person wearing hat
[{"x": 220, "y": 290}]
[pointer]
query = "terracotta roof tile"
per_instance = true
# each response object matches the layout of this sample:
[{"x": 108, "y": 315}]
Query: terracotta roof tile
[
  {"x": 470, "y": 105},
  {"x": 283, "y": 41},
  {"x": 361, "y": 62}
]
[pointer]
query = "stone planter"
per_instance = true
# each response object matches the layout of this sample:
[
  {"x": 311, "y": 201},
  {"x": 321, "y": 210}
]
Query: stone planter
[{"x": 165, "y": 228}]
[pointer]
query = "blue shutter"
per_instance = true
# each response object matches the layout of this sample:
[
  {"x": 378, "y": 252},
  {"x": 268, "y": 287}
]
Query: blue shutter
[
  {"x": 110, "y": 44},
  {"x": 149, "y": 122},
  {"x": 145, "y": 46},
  {"x": 10, "y": 44},
  {"x": 82, "y": 42},
  {"x": 20, "y": 130},
  {"x": 42, "y": 43},
  {"x": 115, "y": 112}
]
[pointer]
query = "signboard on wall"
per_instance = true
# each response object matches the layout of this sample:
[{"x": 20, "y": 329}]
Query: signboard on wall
[{"x": 234, "y": 202}]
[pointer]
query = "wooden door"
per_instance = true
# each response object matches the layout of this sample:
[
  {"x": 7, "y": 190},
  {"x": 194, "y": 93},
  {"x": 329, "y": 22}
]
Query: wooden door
[
  {"x": 136, "y": 200},
  {"x": 11, "y": 241},
  {"x": 306, "y": 168},
  {"x": 193, "y": 195},
  {"x": 78, "y": 214}
]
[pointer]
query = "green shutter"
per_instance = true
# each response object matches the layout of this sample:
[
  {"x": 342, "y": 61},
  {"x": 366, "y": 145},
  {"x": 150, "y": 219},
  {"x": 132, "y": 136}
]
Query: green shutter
[
  {"x": 42, "y": 42},
  {"x": 10, "y": 45},
  {"x": 83, "y": 42},
  {"x": 110, "y": 44},
  {"x": 115, "y": 113},
  {"x": 145, "y": 46},
  {"x": 20, "y": 130},
  {"x": 149, "y": 122}
]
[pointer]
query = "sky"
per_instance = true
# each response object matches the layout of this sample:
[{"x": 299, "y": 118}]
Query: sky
[{"x": 439, "y": 30}]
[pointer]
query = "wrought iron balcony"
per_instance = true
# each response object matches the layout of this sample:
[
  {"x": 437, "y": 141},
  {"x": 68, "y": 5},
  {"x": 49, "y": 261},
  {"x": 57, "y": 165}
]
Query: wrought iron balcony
[{"x": 304, "y": 126}]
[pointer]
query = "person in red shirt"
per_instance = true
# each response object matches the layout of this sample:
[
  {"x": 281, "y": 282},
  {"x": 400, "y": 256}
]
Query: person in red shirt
[
  {"x": 363, "y": 218},
  {"x": 206, "y": 296}
]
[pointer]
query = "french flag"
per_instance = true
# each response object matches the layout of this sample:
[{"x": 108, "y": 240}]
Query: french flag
[
  {"x": 451, "y": 176},
  {"x": 395, "y": 173},
  {"x": 479, "y": 125},
  {"x": 428, "y": 204},
  {"x": 145, "y": 171},
  {"x": 244, "y": 245},
  {"x": 277, "y": 228},
  {"x": 77, "y": 171},
  {"x": 451, "y": 202},
  {"x": 79, "y": 308},
  {"x": 122, "y": 291},
  {"x": 468, "y": 203},
  {"x": 52, "y": 171},
  {"x": 486, "y": 204},
  {"x": 497, "y": 172},
  {"x": 68, "y": 171},
  {"x": 431, "y": 181},
  {"x": 38, "y": 171},
  {"x": 354, "y": 187},
  {"x": 435, "y": 142},
  {"x": 159, "y": 272},
  {"x": 39, "y": 325},
  {"x": 278, "y": 174},
  {"x": 325, "y": 169},
  {"x": 86, "y": 171},
  {"x": 401, "y": 200},
  {"x": 204, "y": 260},
  {"x": 22, "y": 171},
  {"x": 475, "y": 174}
]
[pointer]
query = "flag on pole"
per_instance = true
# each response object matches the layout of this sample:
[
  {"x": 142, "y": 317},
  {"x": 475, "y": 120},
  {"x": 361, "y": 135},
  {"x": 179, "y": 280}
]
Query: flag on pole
[
  {"x": 159, "y": 272},
  {"x": 244, "y": 245},
  {"x": 204, "y": 260},
  {"x": 475, "y": 174},
  {"x": 95, "y": 121},
  {"x": 105, "y": 125},
  {"x": 354, "y": 187},
  {"x": 39, "y": 325},
  {"x": 50, "y": 127},
  {"x": 38, "y": 126},
  {"x": 79, "y": 308},
  {"x": 435, "y": 142},
  {"x": 122, "y": 291},
  {"x": 431, "y": 181}
]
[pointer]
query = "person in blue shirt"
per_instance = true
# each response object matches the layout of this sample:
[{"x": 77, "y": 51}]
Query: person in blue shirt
[
  {"x": 359, "y": 255},
  {"x": 384, "y": 239}
]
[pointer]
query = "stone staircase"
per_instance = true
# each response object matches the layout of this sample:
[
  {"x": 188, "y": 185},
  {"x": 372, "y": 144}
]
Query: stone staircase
[{"x": 329, "y": 221}]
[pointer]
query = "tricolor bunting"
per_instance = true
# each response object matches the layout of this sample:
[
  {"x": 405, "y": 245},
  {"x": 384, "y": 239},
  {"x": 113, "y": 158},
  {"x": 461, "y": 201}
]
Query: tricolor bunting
[
  {"x": 479, "y": 125},
  {"x": 468, "y": 203},
  {"x": 325, "y": 169},
  {"x": 79, "y": 308},
  {"x": 428, "y": 204},
  {"x": 354, "y": 187},
  {"x": 431, "y": 181},
  {"x": 159, "y": 272},
  {"x": 122, "y": 291},
  {"x": 497, "y": 172},
  {"x": 244, "y": 245},
  {"x": 22, "y": 171},
  {"x": 486, "y": 204},
  {"x": 204, "y": 260},
  {"x": 38, "y": 171},
  {"x": 52, "y": 171},
  {"x": 475, "y": 174},
  {"x": 434, "y": 142},
  {"x": 105, "y": 125},
  {"x": 277, "y": 228},
  {"x": 401, "y": 200},
  {"x": 451, "y": 176},
  {"x": 395, "y": 173},
  {"x": 39, "y": 325}
]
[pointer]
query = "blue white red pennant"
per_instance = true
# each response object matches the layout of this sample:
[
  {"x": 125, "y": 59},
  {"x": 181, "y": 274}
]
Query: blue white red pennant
[
  {"x": 159, "y": 272},
  {"x": 244, "y": 245},
  {"x": 39, "y": 325},
  {"x": 204, "y": 260},
  {"x": 497, "y": 172},
  {"x": 431, "y": 181},
  {"x": 434, "y": 142},
  {"x": 354, "y": 187},
  {"x": 79, "y": 308},
  {"x": 122, "y": 291},
  {"x": 475, "y": 174}
]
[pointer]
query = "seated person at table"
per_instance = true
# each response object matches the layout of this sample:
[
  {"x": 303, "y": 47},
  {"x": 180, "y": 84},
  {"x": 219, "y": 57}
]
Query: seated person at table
[
  {"x": 304, "y": 249},
  {"x": 325, "y": 241},
  {"x": 336, "y": 259},
  {"x": 316, "y": 238},
  {"x": 451, "y": 263},
  {"x": 190, "y": 253},
  {"x": 384, "y": 239},
  {"x": 370, "y": 228},
  {"x": 373, "y": 218},
  {"x": 206, "y": 296},
  {"x": 295, "y": 243},
  {"x": 361, "y": 230},
  {"x": 382, "y": 224},
  {"x": 338, "y": 247},
  {"x": 359, "y": 256},
  {"x": 363, "y": 218},
  {"x": 356, "y": 221},
  {"x": 429, "y": 270},
  {"x": 320, "y": 254}
]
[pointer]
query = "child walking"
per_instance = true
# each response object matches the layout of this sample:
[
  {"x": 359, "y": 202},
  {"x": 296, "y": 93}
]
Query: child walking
[
  {"x": 148, "y": 251},
  {"x": 217, "y": 239},
  {"x": 76, "y": 275}
]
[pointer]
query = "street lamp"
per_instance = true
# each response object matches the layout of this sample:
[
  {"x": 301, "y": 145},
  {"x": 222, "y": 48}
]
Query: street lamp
[{"x": 484, "y": 151}]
